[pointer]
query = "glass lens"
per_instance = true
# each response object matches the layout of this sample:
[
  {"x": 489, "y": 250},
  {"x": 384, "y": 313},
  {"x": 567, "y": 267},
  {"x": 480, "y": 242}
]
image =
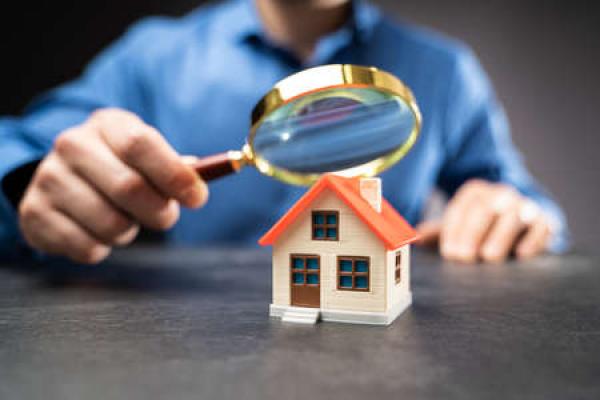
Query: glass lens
[{"x": 333, "y": 130}]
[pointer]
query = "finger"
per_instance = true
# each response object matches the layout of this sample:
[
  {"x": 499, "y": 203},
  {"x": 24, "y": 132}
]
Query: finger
[
  {"x": 143, "y": 148},
  {"x": 74, "y": 197},
  {"x": 127, "y": 237},
  {"x": 465, "y": 220},
  {"x": 451, "y": 223},
  {"x": 52, "y": 232},
  {"x": 535, "y": 240},
  {"x": 91, "y": 159},
  {"x": 429, "y": 233},
  {"x": 478, "y": 217},
  {"x": 502, "y": 237}
]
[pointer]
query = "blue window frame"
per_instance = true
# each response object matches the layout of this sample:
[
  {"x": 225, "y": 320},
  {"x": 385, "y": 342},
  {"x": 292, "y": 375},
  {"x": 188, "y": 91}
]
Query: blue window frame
[
  {"x": 361, "y": 266},
  {"x": 353, "y": 273},
  {"x": 298, "y": 278},
  {"x": 305, "y": 270},
  {"x": 325, "y": 225},
  {"x": 345, "y": 265},
  {"x": 312, "y": 263},
  {"x": 361, "y": 282},
  {"x": 298, "y": 263},
  {"x": 345, "y": 282}
]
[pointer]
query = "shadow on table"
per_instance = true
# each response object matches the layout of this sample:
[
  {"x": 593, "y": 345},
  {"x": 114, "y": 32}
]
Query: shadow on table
[{"x": 160, "y": 274}]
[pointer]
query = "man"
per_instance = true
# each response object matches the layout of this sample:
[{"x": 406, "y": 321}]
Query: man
[{"x": 92, "y": 161}]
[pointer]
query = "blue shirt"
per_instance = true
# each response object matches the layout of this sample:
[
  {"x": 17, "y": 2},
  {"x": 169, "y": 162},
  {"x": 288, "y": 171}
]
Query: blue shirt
[{"x": 197, "y": 79}]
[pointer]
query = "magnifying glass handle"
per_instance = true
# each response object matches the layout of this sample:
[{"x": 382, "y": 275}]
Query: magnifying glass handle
[{"x": 216, "y": 166}]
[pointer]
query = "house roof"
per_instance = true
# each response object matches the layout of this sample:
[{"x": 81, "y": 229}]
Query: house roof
[{"x": 388, "y": 226}]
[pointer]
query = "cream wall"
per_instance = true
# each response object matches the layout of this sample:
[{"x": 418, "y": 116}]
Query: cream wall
[{"x": 355, "y": 239}]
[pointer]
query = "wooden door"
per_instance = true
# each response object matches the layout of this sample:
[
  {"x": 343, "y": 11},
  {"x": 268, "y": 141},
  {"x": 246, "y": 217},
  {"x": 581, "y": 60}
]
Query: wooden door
[{"x": 305, "y": 280}]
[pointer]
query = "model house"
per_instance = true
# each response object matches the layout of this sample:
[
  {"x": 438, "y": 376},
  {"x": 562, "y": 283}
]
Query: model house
[{"x": 341, "y": 253}]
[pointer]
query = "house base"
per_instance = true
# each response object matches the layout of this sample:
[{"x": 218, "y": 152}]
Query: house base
[{"x": 350, "y": 317}]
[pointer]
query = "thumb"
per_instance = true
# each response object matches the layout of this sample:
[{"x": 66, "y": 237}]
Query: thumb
[{"x": 429, "y": 232}]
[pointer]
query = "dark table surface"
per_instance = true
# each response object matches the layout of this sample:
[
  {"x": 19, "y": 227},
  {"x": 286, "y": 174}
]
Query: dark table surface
[{"x": 194, "y": 324}]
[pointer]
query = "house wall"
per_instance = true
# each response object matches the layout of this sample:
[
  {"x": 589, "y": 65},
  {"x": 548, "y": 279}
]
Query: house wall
[
  {"x": 397, "y": 293},
  {"x": 355, "y": 239}
]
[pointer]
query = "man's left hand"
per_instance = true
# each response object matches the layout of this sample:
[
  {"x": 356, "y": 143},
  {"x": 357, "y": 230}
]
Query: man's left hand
[{"x": 487, "y": 221}]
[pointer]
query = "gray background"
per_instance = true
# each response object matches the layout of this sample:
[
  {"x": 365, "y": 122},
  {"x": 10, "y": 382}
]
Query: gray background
[{"x": 543, "y": 57}]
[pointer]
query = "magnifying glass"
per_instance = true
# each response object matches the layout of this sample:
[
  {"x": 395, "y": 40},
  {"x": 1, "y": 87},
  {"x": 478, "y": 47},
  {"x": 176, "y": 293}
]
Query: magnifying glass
[{"x": 344, "y": 119}]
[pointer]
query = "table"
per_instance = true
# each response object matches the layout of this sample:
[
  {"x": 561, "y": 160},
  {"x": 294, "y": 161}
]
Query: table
[{"x": 158, "y": 323}]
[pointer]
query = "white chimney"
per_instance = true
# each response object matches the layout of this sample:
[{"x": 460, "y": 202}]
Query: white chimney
[{"x": 370, "y": 190}]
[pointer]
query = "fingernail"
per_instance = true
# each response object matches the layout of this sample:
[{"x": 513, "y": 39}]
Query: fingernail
[
  {"x": 98, "y": 254},
  {"x": 196, "y": 196},
  {"x": 491, "y": 254},
  {"x": 168, "y": 216},
  {"x": 127, "y": 237}
]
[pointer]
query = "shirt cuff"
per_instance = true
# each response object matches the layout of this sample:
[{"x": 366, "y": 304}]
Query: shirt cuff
[
  {"x": 560, "y": 241},
  {"x": 13, "y": 155}
]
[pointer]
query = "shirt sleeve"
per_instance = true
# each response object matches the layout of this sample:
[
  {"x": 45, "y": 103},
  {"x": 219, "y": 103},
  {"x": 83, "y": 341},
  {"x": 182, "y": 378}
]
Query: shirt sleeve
[
  {"x": 478, "y": 144},
  {"x": 113, "y": 79}
]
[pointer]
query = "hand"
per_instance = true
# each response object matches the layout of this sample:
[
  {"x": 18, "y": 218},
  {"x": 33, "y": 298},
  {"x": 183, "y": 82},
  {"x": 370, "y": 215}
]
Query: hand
[
  {"x": 101, "y": 181},
  {"x": 486, "y": 221}
]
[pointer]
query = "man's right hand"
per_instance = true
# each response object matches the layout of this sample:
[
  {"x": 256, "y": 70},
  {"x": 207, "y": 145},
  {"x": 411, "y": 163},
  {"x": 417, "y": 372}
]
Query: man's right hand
[{"x": 101, "y": 181}]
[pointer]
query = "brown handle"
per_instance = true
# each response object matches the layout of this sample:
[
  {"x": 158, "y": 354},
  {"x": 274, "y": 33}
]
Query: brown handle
[{"x": 216, "y": 166}]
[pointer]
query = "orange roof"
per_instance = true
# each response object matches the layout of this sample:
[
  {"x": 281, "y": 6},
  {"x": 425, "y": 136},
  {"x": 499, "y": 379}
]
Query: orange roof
[{"x": 388, "y": 225}]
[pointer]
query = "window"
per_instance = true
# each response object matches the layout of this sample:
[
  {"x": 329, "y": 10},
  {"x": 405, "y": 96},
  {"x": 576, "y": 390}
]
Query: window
[
  {"x": 398, "y": 271},
  {"x": 325, "y": 225},
  {"x": 353, "y": 273},
  {"x": 305, "y": 270}
]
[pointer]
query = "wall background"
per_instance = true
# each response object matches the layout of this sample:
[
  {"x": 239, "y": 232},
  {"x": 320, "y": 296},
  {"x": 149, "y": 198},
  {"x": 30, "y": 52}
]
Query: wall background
[{"x": 543, "y": 56}]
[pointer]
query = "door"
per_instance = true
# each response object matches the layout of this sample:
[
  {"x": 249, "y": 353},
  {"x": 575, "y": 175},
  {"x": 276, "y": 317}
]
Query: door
[{"x": 305, "y": 275}]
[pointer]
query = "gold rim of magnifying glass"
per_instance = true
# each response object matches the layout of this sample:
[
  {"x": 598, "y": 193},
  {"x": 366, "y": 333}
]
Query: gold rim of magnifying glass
[{"x": 324, "y": 78}]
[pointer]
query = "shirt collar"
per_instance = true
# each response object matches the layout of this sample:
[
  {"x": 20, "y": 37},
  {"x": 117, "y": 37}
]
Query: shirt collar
[{"x": 245, "y": 22}]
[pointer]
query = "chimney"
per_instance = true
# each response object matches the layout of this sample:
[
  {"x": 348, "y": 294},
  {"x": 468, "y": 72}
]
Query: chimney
[{"x": 370, "y": 190}]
